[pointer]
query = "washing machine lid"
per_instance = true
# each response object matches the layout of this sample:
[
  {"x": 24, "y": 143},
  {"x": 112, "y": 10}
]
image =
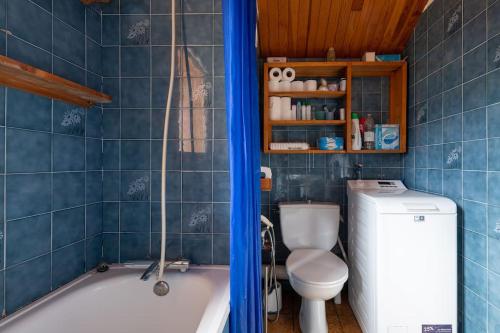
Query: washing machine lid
[
  {"x": 392, "y": 197},
  {"x": 316, "y": 266}
]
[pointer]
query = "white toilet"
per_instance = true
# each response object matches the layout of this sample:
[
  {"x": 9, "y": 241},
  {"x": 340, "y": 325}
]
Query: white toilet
[{"x": 310, "y": 231}]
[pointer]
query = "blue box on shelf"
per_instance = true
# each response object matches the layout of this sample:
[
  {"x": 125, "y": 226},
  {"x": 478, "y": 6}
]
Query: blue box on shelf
[
  {"x": 386, "y": 136},
  {"x": 329, "y": 143}
]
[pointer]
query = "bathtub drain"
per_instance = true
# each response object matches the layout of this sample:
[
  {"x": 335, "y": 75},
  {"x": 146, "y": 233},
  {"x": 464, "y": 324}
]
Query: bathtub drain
[{"x": 161, "y": 288}]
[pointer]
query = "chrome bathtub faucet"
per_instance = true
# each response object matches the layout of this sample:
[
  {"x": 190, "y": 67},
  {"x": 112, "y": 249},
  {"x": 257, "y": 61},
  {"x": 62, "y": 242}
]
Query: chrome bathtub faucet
[
  {"x": 181, "y": 265},
  {"x": 153, "y": 268}
]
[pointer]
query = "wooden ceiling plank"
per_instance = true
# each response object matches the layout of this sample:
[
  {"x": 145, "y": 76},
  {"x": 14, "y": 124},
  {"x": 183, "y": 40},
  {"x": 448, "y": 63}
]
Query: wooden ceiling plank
[
  {"x": 333, "y": 23},
  {"x": 274, "y": 37},
  {"x": 344, "y": 22},
  {"x": 391, "y": 26},
  {"x": 357, "y": 5},
  {"x": 357, "y": 45},
  {"x": 324, "y": 17},
  {"x": 304, "y": 18},
  {"x": 374, "y": 43},
  {"x": 373, "y": 25},
  {"x": 313, "y": 26},
  {"x": 283, "y": 26},
  {"x": 263, "y": 27},
  {"x": 293, "y": 27}
]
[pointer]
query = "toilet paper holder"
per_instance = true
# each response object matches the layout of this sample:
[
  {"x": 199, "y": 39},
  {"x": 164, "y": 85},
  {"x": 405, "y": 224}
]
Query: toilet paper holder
[{"x": 266, "y": 183}]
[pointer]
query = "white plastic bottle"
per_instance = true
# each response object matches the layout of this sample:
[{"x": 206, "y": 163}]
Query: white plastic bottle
[
  {"x": 369, "y": 133},
  {"x": 356, "y": 132}
]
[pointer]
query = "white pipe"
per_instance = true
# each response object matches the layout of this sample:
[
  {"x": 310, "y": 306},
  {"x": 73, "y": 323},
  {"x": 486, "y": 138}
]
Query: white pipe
[{"x": 164, "y": 151}]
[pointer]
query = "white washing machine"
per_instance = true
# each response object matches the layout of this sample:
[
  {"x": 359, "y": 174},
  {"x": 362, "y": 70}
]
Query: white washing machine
[{"x": 402, "y": 250}]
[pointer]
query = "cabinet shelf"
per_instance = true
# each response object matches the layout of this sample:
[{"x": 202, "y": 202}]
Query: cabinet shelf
[
  {"x": 15, "y": 74},
  {"x": 377, "y": 151},
  {"x": 395, "y": 71},
  {"x": 308, "y": 151},
  {"x": 306, "y": 122},
  {"x": 309, "y": 94}
]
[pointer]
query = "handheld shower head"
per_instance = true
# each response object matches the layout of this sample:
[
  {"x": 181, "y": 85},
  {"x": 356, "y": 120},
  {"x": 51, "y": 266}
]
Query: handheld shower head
[{"x": 266, "y": 221}]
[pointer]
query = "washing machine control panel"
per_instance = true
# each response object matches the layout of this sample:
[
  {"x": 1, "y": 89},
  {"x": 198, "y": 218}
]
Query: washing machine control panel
[{"x": 376, "y": 185}]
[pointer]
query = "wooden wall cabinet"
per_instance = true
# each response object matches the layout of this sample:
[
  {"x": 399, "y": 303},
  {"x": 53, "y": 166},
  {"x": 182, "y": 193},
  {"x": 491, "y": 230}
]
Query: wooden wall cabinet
[{"x": 396, "y": 72}]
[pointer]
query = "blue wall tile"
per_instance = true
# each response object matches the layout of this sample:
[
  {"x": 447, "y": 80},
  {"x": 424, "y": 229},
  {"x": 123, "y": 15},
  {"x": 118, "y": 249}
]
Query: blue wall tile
[
  {"x": 135, "y": 217},
  {"x": 134, "y": 246},
  {"x": 27, "y": 194},
  {"x": 69, "y": 153},
  {"x": 494, "y": 254},
  {"x": 36, "y": 154},
  {"x": 30, "y": 22},
  {"x": 27, "y": 282},
  {"x": 68, "y": 263},
  {"x": 135, "y": 61},
  {"x": 69, "y": 43},
  {"x": 474, "y": 185},
  {"x": 28, "y": 111},
  {"x": 28, "y": 238},
  {"x": 110, "y": 30},
  {"x": 71, "y": 12},
  {"x": 67, "y": 189},
  {"x": 474, "y": 32},
  {"x": 493, "y": 15},
  {"x": 474, "y": 63},
  {"x": 93, "y": 26},
  {"x": 68, "y": 226},
  {"x": 475, "y": 310},
  {"x": 475, "y": 278},
  {"x": 475, "y": 247}
]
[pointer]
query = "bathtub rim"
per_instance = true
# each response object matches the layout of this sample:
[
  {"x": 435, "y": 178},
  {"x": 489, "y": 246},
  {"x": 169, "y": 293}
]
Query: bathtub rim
[{"x": 208, "y": 322}]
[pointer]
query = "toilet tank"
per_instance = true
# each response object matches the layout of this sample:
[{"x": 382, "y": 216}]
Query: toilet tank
[{"x": 309, "y": 225}]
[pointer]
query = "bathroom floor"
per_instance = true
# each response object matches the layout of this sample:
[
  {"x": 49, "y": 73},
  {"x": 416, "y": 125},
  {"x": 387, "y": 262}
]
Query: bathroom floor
[{"x": 340, "y": 317}]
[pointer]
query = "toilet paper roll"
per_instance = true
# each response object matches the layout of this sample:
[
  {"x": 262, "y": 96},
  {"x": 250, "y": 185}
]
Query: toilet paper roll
[
  {"x": 275, "y": 107},
  {"x": 286, "y": 108},
  {"x": 273, "y": 86},
  {"x": 284, "y": 86},
  {"x": 311, "y": 85},
  {"x": 275, "y": 74},
  {"x": 297, "y": 86},
  {"x": 288, "y": 74}
]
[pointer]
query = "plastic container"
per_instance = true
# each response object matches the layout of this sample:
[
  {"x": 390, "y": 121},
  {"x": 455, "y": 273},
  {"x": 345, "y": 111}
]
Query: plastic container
[
  {"x": 356, "y": 133},
  {"x": 342, "y": 114},
  {"x": 319, "y": 115},
  {"x": 369, "y": 135}
]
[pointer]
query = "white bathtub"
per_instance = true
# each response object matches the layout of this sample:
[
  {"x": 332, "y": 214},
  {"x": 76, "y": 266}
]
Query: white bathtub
[{"x": 117, "y": 301}]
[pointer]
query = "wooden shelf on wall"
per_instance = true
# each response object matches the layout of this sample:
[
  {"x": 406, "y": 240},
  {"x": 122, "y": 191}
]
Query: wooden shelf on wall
[
  {"x": 307, "y": 151},
  {"x": 396, "y": 71},
  {"x": 309, "y": 94},
  {"x": 306, "y": 122},
  {"x": 15, "y": 74}
]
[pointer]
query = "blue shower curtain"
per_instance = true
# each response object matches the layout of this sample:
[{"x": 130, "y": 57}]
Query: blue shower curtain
[{"x": 244, "y": 157}]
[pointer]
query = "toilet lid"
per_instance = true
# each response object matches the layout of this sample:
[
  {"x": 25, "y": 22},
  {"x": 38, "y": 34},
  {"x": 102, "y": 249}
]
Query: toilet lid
[{"x": 316, "y": 266}]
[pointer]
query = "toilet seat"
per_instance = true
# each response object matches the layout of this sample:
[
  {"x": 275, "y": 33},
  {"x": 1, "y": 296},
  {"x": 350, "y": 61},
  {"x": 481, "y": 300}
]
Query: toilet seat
[{"x": 316, "y": 267}]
